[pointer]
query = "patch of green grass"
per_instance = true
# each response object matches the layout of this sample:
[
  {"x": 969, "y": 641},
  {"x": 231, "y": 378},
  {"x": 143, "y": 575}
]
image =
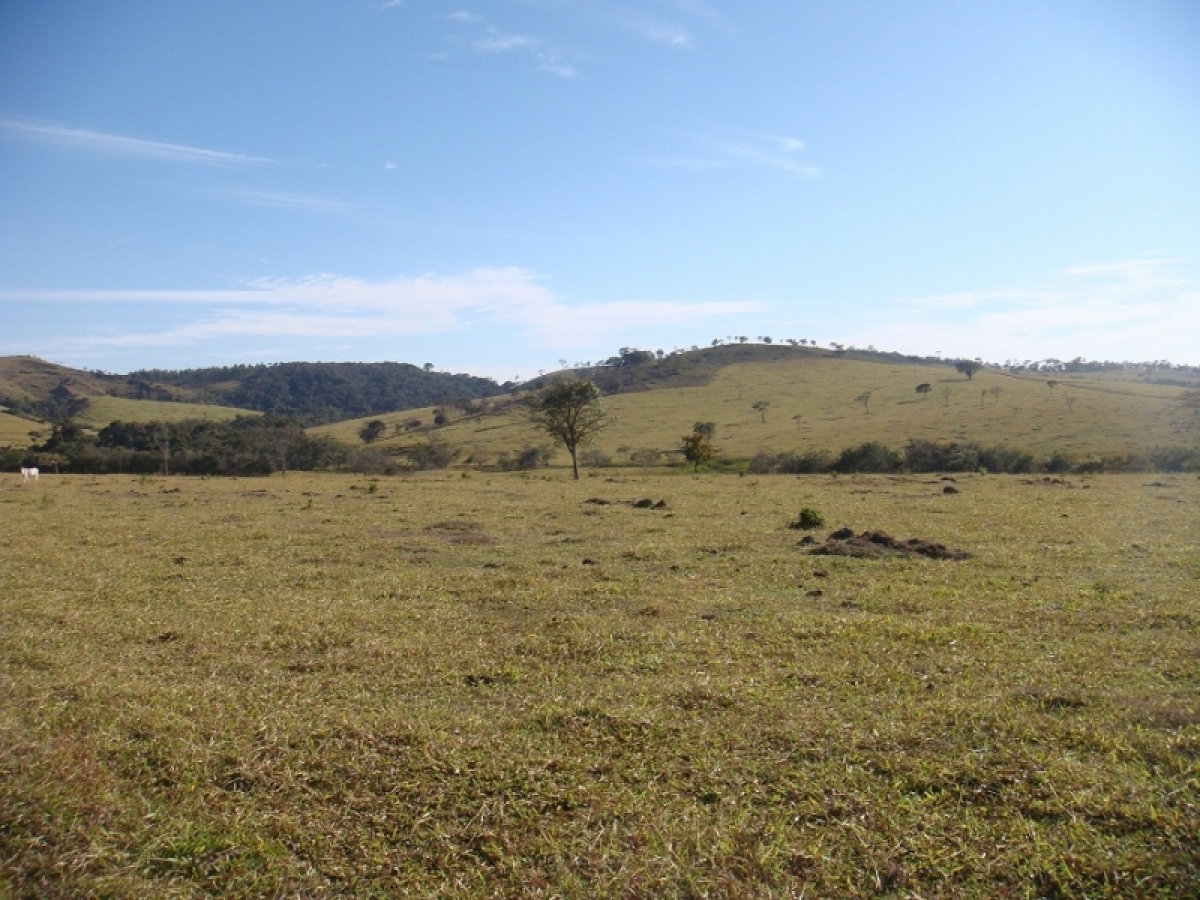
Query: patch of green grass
[
  {"x": 103, "y": 410},
  {"x": 490, "y": 687},
  {"x": 14, "y": 430}
]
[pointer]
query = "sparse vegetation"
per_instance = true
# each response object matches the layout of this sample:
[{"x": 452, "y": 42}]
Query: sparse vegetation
[{"x": 481, "y": 688}]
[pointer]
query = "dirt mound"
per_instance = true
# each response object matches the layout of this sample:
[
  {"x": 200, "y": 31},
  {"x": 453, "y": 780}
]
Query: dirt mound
[
  {"x": 645, "y": 503},
  {"x": 878, "y": 544}
]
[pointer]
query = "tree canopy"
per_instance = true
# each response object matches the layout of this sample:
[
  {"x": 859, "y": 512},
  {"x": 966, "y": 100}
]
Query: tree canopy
[{"x": 570, "y": 412}]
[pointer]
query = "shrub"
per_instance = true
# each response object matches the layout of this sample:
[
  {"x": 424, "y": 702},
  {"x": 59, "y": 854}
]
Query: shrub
[
  {"x": 1060, "y": 463},
  {"x": 871, "y": 457},
  {"x": 808, "y": 519},
  {"x": 594, "y": 457},
  {"x": 644, "y": 456},
  {"x": 527, "y": 460}
]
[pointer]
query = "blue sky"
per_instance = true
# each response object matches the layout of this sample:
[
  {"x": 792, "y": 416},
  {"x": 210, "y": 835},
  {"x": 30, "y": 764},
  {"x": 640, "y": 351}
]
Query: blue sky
[{"x": 496, "y": 186}]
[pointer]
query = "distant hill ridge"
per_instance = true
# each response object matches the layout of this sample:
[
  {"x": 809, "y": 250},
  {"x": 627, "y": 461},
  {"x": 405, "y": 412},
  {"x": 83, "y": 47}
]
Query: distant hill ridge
[
  {"x": 316, "y": 393},
  {"x": 313, "y": 393}
]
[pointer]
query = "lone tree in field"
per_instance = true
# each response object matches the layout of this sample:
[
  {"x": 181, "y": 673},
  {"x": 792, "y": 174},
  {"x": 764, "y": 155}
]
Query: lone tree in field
[
  {"x": 708, "y": 429},
  {"x": 761, "y": 408},
  {"x": 865, "y": 399},
  {"x": 924, "y": 389},
  {"x": 570, "y": 412},
  {"x": 697, "y": 449},
  {"x": 968, "y": 367}
]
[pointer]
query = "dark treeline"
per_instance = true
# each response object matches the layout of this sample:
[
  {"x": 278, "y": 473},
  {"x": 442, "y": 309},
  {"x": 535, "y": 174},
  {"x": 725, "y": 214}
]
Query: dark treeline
[
  {"x": 248, "y": 445},
  {"x": 929, "y": 456},
  {"x": 315, "y": 393},
  {"x": 263, "y": 445}
]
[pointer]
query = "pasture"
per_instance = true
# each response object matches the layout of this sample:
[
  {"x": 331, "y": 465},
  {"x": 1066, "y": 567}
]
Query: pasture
[
  {"x": 454, "y": 685},
  {"x": 813, "y": 405},
  {"x": 101, "y": 411},
  {"x": 14, "y": 431}
]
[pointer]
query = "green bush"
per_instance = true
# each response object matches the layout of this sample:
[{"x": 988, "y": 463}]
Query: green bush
[{"x": 808, "y": 519}]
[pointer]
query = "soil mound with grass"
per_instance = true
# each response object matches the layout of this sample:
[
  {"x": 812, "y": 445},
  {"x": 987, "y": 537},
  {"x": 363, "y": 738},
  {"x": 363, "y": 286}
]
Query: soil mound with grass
[{"x": 880, "y": 544}]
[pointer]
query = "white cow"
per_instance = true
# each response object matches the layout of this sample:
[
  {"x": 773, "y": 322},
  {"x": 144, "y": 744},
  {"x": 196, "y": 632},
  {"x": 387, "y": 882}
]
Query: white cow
[{"x": 30, "y": 472}]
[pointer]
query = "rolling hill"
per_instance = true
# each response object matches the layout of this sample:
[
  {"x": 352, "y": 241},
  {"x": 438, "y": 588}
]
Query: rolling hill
[
  {"x": 818, "y": 400},
  {"x": 309, "y": 392}
]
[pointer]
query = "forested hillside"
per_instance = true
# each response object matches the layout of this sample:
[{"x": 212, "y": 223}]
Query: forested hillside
[{"x": 323, "y": 392}]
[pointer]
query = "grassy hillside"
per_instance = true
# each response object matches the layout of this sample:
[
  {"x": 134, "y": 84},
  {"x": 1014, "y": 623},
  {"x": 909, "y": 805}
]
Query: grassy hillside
[
  {"x": 332, "y": 687},
  {"x": 813, "y": 403},
  {"x": 14, "y": 430},
  {"x": 30, "y": 378},
  {"x": 100, "y": 411}
]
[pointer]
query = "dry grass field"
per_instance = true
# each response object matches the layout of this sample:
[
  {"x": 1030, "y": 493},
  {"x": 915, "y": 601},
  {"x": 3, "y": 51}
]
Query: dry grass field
[
  {"x": 813, "y": 406},
  {"x": 488, "y": 686}
]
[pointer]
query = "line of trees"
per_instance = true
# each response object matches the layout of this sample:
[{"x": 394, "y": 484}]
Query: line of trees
[
  {"x": 247, "y": 445},
  {"x": 929, "y": 456}
]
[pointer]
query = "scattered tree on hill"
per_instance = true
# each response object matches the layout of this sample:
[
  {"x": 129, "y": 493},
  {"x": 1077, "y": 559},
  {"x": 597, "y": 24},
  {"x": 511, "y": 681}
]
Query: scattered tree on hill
[
  {"x": 708, "y": 429},
  {"x": 570, "y": 412},
  {"x": 372, "y": 431},
  {"x": 924, "y": 390},
  {"x": 761, "y": 408},
  {"x": 865, "y": 399},
  {"x": 1070, "y": 398},
  {"x": 697, "y": 449},
  {"x": 995, "y": 392},
  {"x": 1052, "y": 384},
  {"x": 968, "y": 367}
]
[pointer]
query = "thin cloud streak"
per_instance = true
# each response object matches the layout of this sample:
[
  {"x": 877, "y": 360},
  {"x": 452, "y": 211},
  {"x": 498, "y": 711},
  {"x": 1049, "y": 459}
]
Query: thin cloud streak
[
  {"x": 325, "y": 306},
  {"x": 288, "y": 201},
  {"x": 120, "y": 145},
  {"x": 761, "y": 150}
]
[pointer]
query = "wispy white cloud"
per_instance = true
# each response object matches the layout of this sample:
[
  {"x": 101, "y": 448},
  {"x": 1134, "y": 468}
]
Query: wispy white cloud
[
  {"x": 548, "y": 60},
  {"x": 728, "y": 149},
  {"x": 655, "y": 29},
  {"x": 280, "y": 200},
  {"x": 325, "y": 306},
  {"x": 1131, "y": 309},
  {"x": 466, "y": 17},
  {"x": 497, "y": 42},
  {"x": 120, "y": 145}
]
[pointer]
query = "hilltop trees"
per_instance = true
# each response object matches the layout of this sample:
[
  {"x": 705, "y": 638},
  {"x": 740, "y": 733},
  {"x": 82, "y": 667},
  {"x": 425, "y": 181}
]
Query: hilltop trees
[{"x": 570, "y": 412}]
